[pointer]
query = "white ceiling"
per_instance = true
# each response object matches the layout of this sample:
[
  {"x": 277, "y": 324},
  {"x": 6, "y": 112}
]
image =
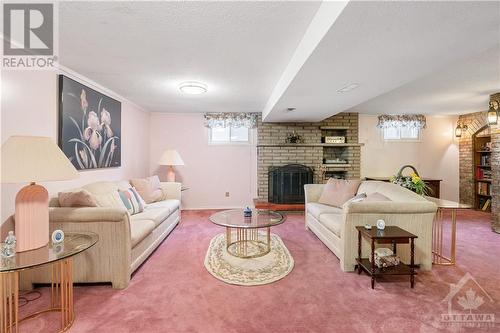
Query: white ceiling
[
  {"x": 382, "y": 46},
  {"x": 143, "y": 50},
  {"x": 425, "y": 57},
  {"x": 456, "y": 89}
]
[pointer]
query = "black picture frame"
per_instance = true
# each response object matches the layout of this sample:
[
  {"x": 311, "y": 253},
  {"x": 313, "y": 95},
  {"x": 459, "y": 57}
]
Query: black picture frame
[{"x": 89, "y": 126}]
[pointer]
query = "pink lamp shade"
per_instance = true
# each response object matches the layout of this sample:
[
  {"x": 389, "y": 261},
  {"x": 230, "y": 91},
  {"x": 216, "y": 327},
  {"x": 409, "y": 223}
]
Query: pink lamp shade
[
  {"x": 30, "y": 159},
  {"x": 170, "y": 158}
]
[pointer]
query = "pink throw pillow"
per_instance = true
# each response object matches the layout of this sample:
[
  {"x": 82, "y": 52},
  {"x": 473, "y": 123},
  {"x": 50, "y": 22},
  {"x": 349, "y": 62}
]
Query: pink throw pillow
[
  {"x": 148, "y": 188},
  {"x": 81, "y": 198},
  {"x": 375, "y": 196},
  {"x": 338, "y": 191}
]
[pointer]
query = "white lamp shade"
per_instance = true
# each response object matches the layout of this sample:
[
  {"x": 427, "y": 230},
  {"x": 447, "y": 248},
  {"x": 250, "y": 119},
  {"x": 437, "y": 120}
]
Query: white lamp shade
[
  {"x": 170, "y": 157},
  {"x": 34, "y": 159}
]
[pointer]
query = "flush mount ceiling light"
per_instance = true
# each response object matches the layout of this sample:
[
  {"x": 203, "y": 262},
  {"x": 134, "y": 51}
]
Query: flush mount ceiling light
[
  {"x": 348, "y": 88},
  {"x": 193, "y": 87}
]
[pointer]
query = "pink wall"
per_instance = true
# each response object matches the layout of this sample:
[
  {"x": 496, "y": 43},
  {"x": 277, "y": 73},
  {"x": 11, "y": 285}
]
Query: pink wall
[
  {"x": 435, "y": 156},
  {"x": 210, "y": 170},
  {"x": 29, "y": 107}
]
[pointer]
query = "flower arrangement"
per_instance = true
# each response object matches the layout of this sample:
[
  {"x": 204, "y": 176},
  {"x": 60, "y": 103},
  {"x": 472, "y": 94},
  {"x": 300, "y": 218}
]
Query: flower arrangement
[
  {"x": 96, "y": 144},
  {"x": 413, "y": 182},
  {"x": 294, "y": 138}
]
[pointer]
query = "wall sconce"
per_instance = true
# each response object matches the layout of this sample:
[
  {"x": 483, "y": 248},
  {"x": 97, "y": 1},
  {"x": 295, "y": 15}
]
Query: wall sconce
[
  {"x": 493, "y": 113},
  {"x": 460, "y": 130}
]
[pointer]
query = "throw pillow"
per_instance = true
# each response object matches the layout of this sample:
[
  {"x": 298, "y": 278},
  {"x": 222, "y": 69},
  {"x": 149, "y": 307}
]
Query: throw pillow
[
  {"x": 357, "y": 198},
  {"x": 148, "y": 188},
  {"x": 376, "y": 196},
  {"x": 80, "y": 198},
  {"x": 337, "y": 191},
  {"x": 132, "y": 200}
]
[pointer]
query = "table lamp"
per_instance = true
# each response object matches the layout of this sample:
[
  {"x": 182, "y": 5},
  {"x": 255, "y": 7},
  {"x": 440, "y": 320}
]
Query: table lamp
[
  {"x": 170, "y": 158},
  {"x": 29, "y": 159}
]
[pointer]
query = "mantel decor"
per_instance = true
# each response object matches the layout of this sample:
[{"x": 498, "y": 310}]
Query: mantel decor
[
  {"x": 404, "y": 120},
  {"x": 89, "y": 126},
  {"x": 231, "y": 119}
]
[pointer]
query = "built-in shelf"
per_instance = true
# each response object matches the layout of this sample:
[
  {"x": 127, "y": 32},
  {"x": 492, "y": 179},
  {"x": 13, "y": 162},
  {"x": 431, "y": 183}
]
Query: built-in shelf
[
  {"x": 334, "y": 127},
  {"x": 484, "y": 166},
  {"x": 336, "y": 166},
  {"x": 484, "y": 195},
  {"x": 484, "y": 180},
  {"x": 310, "y": 145},
  {"x": 483, "y": 151}
]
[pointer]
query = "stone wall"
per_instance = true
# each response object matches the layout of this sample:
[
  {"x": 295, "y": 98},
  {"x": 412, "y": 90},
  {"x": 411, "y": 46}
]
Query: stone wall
[
  {"x": 475, "y": 122},
  {"x": 311, "y": 156}
]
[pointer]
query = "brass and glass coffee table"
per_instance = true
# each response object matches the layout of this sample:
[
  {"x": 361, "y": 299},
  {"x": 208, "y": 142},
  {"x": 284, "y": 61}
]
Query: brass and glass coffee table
[
  {"x": 244, "y": 238},
  {"x": 60, "y": 257}
]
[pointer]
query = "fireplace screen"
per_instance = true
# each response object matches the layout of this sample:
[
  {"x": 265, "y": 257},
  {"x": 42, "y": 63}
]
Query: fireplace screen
[{"x": 286, "y": 183}]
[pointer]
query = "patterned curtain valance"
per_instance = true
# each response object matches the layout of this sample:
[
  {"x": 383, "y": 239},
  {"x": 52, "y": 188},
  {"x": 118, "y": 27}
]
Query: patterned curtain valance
[
  {"x": 226, "y": 119},
  {"x": 404, "y": 120}
]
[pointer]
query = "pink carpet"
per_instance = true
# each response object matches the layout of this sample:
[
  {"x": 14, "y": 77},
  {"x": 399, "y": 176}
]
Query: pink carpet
[{"x": 172, "y": 291}]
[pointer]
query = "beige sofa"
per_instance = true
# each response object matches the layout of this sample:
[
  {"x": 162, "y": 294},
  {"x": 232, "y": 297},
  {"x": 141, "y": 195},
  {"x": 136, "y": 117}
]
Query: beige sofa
[
  {"x": 335, "y": 227},
  {"x": 125, "y": 241}
]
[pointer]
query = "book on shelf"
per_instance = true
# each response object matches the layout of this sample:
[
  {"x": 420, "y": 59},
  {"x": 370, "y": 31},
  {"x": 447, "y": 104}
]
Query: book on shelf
[
  {"x": 483, "y": 188},
  {"x": 486, "y": 204}
]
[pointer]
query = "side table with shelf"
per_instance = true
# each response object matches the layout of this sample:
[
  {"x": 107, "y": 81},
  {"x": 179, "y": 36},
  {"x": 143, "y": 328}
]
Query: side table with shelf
[{"x": 390, "y": 235}]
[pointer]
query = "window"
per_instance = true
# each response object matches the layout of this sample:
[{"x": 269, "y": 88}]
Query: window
[
  {"x": 229, "y": 135},
  {"x": 401, "y": 133}
]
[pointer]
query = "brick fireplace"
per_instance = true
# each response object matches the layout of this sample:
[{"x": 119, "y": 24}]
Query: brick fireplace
[
  {"x": 273, "y": 151},
  {"x": 475, "y": 122}
]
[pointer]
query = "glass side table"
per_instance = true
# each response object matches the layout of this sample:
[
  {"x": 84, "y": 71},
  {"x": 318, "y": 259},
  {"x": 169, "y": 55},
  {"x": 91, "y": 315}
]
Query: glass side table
[
  {"x": 438, "y": 254},
  {"x": 60, "y": 257}
]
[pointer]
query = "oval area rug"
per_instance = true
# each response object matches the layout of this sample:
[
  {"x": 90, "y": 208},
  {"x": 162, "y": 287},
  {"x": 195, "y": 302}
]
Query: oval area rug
[{"x": 248, "y": 272}]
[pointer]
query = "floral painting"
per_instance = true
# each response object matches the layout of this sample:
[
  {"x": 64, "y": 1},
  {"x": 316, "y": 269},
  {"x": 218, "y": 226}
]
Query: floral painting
[{"x": 89, "y": 126}]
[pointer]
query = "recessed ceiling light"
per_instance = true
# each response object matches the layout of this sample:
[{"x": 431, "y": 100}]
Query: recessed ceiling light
[
  {"x": 193, "y": 87},
  {"x": 348, "y": 88}
]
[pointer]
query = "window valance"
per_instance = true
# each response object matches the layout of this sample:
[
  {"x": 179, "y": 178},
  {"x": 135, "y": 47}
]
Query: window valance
[
  {"x": 233, "y": 119},
  {"x": 404, "y": 120}
]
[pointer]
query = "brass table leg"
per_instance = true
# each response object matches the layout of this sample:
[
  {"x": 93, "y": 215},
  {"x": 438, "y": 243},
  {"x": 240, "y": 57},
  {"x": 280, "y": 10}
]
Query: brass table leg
[
  {"x": 9, "y": 297},
  {"x": 438, "y": 258},
  {"x": 61, "y": 293}
]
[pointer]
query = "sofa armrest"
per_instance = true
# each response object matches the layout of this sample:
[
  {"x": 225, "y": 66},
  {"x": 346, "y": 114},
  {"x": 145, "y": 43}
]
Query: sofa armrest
[
  {"x": 171, "y": 190},
  {"x": 313, "y": 192},
  {"x": 390, "y": 207},
  {"x": 87, "y": 214}
]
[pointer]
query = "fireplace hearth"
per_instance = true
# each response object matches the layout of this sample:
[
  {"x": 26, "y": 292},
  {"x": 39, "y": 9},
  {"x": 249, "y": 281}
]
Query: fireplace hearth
[{"x": 286, "y": 183}]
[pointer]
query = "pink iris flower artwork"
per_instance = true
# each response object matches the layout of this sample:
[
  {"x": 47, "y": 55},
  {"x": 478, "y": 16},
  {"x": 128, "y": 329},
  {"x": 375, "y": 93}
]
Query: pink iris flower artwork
[{"x": 93, "y": 142}]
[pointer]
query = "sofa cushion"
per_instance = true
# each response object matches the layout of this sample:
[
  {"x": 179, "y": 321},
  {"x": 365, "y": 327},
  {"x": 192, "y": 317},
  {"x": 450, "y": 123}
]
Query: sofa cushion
[
  {"x": 106, "y": 192},
  {"x": 171, "y": 204},
  {"x": 157, "y": 215},
  {"x": 317, "y": 209},
  {"x": 332, "y": 222},
  {"x": 390, "y": 190},
  {"x": 132, "y": 201},
  {"x": 140, "y": 229},
  {"x": 375, "y": 196},
  {"x": 79, "y": 198},
  {"x": 148, "y": 188},
  {"x": 337, "y": 191}
]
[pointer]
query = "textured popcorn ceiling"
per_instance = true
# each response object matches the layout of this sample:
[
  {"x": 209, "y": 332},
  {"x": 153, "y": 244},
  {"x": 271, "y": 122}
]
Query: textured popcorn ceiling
[
  {"x": 430, "y": 57},
  {"x": 143, "y": 50}
]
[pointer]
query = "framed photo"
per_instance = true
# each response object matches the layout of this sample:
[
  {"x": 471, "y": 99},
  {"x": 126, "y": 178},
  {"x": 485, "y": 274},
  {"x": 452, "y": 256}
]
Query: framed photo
[{"x": 89, "y": 126}]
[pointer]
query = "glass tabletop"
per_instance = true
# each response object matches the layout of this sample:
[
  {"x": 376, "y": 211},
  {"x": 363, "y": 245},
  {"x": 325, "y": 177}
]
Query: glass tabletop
[
  {"x": 74, "y": 243},
  {"x": 441, "y": 203},
  {"x": 234, "y": 218}
]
